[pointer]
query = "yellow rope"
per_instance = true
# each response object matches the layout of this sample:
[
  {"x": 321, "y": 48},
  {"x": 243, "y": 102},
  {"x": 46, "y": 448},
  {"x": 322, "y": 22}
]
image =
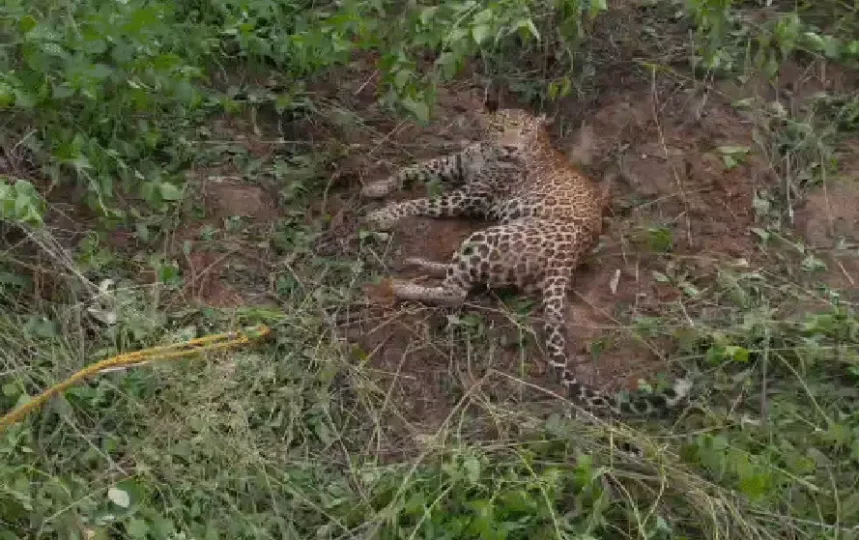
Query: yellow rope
[{"x": 164, "y": 352}]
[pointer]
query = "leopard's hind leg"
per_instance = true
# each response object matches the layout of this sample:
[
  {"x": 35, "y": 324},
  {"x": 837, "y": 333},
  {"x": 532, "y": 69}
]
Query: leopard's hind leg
[{"x": 469, "y": 266}]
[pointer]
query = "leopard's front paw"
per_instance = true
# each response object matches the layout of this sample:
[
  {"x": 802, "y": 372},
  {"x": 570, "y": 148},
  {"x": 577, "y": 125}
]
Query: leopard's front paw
[
  {"x": 379, "y": 188},
  {"x": 381, "y": 220}
]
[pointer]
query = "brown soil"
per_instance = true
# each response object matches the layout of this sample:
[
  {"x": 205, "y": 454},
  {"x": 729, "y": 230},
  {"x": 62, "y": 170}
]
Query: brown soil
[
  {"x": 227, "y": 198},
  {"x": 224, "y": 269},
  {"x": 203, "y": 271},
  {"x": 829, "y": 222}
]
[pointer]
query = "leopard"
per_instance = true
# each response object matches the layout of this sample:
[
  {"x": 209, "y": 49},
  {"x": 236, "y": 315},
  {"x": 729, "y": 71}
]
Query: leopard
[{"x": 548, "y": 217}]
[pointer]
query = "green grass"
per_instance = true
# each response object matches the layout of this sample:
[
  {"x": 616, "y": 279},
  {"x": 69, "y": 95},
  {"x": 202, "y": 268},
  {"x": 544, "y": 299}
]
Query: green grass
[
  {"x": 277, "y": 441},
  {"x": 306, "y": 435}
]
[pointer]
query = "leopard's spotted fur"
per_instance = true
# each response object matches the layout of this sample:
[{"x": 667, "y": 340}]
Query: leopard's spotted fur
[{"x": 549, "y": 215}]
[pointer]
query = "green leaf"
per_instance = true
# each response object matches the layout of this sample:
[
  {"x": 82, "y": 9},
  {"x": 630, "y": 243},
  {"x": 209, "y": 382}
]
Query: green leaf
[
  {"x": 26, "y": 24},
  {"x": 7, "y": 95},
  {"x": 738, "y": 354},
  {"x": 282, "y": 102},
  {"x": 137, "y": 528},
  {"x": 449, "y": 64},
  {"x": 854, "y": 450},
  {"x": 660, "y": 277},
  {"x": 402, "y": 78},
  {"x": 11, "y": 390},
  {"x": 418, "y": 108},
  {"x": 755, "y": 486},
  {"x": 79, "y": 162},
  {"x": 427, "y": 14},
  {"x": 63, "y": 91},
  {"x": 813, "y": 41},
  {"x": 813, "y": 264},
  {"x": 24, "y": 100},
  {"x": 597, "y": 7},
  {"x": 729, "y": 150},
  {"x": 689, "y": 289},
  {"x": 94, "y": 47},
  {"x": 529, "y": 27},
  {"x": 484, "y": 16},
  {"x": 480, "y": 33},
  {"x": 832, "y": 47},
  {"x": 169, "y": 192},
  {"x": 23, "y": 204},
  {"x": 471, "y": 466},
  {"x": 119, "y": 497},
  {"x": 99, "y": 71},
  {"x": 17, "y": 280},
  {"x": 850, "y": 507}
]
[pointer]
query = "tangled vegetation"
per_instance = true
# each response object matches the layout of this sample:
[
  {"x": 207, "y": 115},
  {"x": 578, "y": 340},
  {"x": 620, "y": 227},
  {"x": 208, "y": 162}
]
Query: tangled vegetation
[{"x": 111, "y": 108}]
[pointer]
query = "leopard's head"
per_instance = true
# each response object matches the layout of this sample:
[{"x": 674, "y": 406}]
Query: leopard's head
[{"x": 514, "y": 128}]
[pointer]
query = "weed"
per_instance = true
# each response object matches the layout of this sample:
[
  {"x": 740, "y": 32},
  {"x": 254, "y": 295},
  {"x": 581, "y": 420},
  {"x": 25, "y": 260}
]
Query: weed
[
  {"x": 428, "y": 431},
  {"x": 110, "y": 100},
  {"x": 729, "y": 36}
]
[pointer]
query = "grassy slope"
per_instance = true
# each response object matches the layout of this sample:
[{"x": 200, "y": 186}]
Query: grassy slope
[{"x": 305, "y": 437}]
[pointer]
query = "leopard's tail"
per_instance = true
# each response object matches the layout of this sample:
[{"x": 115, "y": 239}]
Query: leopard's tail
[{"x": 590, "y": 398}]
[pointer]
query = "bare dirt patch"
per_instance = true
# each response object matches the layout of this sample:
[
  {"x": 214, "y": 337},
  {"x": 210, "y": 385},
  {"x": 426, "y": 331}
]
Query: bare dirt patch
[
  {"x": 827, "y": 217},
  {"x": 225, "y": 198},
  {"x": 209, "y": 254},
  {"x": 203, "y": 281},
  {"x": 829, "y": 222}
]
